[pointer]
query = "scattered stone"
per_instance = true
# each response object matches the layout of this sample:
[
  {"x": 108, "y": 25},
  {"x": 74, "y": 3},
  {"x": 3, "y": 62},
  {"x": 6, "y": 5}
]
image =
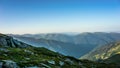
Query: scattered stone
[
  {"x": 51, "y": 62},
  {"x": 30, "y": 52},
  {"x": 33, "y": 67},
  {"x": 1, "y": 63},
  {"x": 4, "y": 49},
  {"x": 5, "y": 54},
  {"x": 61, "y": 63},
  {"x": 27, "y": 58},
  {"x": 68, "y": 60},
  {"x": 46, "y": 66},
  {"x": 8, "y": 64}
]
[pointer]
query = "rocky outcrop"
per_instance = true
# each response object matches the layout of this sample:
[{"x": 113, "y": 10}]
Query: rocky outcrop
[
  {"x": 7, "y": 41},
  {"x": 8, "y": 64}
]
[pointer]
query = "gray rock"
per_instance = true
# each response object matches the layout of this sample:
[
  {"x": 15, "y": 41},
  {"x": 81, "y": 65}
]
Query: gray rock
[
  {"x": 1, "y": 63},
  {"x": 9, "y": 64},
  {"x": 51, "y": 62},
  {"x": 29, "y": 52},
  {"x": 70, "y": 61},
  {"x": 3, "y": 42},
  {"x": 33, "y": 67},
  {"x": 4, "y": 49},
  {"x": 61, "y": 63},
  {"x": 12, "y": 43},
  {"x": 46, "y": 66},
  {"x": 7, "y": 41}
]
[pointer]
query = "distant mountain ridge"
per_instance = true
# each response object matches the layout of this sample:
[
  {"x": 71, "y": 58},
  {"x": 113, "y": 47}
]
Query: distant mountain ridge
[{"x": 73, "y": 45}]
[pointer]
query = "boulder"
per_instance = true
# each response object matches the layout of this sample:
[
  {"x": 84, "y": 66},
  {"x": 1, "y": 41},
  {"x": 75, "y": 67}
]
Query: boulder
[{"x": 8, "y": 64}]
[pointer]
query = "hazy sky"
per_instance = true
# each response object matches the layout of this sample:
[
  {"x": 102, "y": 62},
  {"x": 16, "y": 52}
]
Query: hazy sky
[{"x": 46, "y": 16}]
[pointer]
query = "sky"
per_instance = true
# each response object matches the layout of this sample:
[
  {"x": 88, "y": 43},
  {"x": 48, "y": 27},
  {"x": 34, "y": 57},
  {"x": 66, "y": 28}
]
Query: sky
[{"x": 56, "y": 16}]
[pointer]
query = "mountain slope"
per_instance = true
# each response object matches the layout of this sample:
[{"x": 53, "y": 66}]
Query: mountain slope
[
  {"x": 65, "y": 48},
  {"x": 113, "y": 59},
  {"x": 73, "y": 45},
  {"x": 103, "y": 52},
  {"x": 25, "y": 56}
]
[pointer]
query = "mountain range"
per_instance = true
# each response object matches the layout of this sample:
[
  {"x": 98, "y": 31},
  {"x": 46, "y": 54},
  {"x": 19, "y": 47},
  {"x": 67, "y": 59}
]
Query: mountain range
[
  {"x": 75, "y": 45},
  {"x": 16, "y": 54}
]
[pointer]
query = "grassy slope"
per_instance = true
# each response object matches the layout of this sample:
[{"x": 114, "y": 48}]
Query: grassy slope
[
  {"x": 37, "y": 56},
  {"x": 114, "y": 59},
  {"x": 103, "y": 52}
]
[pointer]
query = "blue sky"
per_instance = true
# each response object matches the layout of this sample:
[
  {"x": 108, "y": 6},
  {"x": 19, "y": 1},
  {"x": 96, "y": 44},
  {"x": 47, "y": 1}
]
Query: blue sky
[{"x": 47, "y": 16}]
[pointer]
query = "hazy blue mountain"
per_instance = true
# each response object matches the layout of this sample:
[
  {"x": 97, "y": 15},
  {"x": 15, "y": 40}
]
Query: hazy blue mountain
[
  {"x": 75, "y": 45},
  {"x": 65, "y": 48}
]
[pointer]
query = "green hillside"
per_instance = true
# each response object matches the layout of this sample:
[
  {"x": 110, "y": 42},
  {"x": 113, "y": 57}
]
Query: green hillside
[
  {"x": 109, "y": 54},
  {"x": 113, "y": 59}
]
